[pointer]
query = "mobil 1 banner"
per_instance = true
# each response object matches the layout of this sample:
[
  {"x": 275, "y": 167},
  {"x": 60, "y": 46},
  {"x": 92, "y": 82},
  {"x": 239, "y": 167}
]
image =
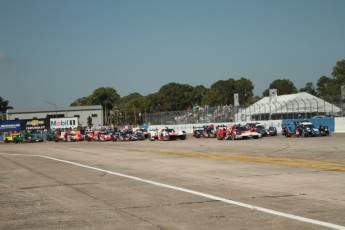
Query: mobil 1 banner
[
  {"x": 64, "y": 123},
  {"x": 34, "y": 124}
]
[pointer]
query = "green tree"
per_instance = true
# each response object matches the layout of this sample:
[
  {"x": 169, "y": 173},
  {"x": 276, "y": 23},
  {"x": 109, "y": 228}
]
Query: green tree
[
  {"x": 129, "y": 108},
  {"x": 198, "y": 94},
  {"x": 82, "y": 101},
  {"x": 328, "y": 88},
  {"x": 283, "y": 86},
  {"x": 4, "y": 106},
  {"x": 339, "y": 72},
  {"x": 244, "y": 88},
  {"x": 154, "y": 102},
  {"x": 309, "y": 88},
  {"x": 174, "y": 96},
  {"x": 221, "y": 93},
  {"x": 106, "y": 97}
]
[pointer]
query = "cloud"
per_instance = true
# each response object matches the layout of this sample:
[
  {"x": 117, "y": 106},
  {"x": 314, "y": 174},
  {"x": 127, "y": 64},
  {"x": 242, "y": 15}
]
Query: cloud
[{"x": 5, "y": 58}]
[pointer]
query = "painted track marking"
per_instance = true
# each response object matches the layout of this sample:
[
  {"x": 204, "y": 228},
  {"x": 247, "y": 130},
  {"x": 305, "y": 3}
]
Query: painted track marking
[
  {"x": 240, "y": 204},
  {"x": 297, "y": 162}
]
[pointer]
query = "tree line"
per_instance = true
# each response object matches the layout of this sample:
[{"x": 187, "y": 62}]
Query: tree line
[{"x": 175, "y": 96}]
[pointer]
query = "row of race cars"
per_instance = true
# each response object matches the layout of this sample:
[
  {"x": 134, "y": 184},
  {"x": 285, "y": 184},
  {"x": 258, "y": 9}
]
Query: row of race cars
[
  {"x": 220, "y": 132},
  {"x": 234, "y": 131},
  {"x": 256, "y": 130},
  {"x": 112, "y": 135},
  {"x": 164, "y": 134}
]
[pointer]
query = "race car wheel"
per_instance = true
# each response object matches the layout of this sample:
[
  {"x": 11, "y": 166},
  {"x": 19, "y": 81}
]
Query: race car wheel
[
  {"x": 232, "y": 137},
  {"x": 219, "y": 137}
]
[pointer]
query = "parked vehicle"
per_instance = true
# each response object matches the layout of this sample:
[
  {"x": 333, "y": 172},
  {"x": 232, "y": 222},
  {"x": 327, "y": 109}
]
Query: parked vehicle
[
  {"x": 31, "y": 138},
  {"x": 168, "y": 134},
  {"x": 99, "y": 135},
  {"x": 246, "y": 133},
  {"x": 235, "y": 132},
  {"x": 206, "y": 131},
  {"x": 13, "y": 137},
  {"x": 142, "y": 132},
  {"x": 259, "y": 128},
  {"x": 129, "y": 135},
  {"x": 153, "y": 134},
  {"x": 272, "y": 131},
  {"x": 304, "y": 129},
  {"x": 324, "y": 130},
  {"x": 228, "y": 132}
]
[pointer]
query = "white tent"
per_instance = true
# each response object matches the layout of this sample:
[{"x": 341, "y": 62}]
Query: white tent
[{"x": 302, "y": 104}]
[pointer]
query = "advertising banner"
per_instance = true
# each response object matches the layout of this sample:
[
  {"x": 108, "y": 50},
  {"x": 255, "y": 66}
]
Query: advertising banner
[
  {"x": 9, "y": 126},
  {"x": 34, "y": 124},
  {"x": 236, "y": 100},
  {"x": 64, "y": 123},
  {"x": 273, "y": 95}
]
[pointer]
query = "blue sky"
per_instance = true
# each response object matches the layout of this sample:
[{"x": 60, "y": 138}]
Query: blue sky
[{"x": 61, "y": 50}]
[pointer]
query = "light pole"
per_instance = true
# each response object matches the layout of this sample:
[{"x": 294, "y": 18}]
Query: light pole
[{"x": 53, "y": 104}]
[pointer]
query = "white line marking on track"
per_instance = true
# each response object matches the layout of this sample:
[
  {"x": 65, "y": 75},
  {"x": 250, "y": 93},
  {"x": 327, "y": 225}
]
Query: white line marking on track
[{"x": 253, "y": 207}]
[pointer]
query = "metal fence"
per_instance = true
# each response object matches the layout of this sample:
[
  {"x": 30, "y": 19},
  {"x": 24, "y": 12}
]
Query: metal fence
[{"x": 289, "y": 109}]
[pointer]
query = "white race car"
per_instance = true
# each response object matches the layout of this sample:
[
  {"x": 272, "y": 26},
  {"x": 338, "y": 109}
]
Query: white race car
[
  {"x": 153, "y": 134},
  {"x": 167, "y": 134}
]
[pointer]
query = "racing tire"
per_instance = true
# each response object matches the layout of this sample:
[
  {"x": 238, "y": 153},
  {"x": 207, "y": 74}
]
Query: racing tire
[
  {"x": 219, "y": 137},
  {"x": 183, "y": 137}
]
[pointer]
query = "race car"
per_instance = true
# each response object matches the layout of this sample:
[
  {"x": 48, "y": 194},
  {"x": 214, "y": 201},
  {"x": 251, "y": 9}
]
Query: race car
[
  {"x": 142, "y": 131},
  {"x": 100, "y": 135},
  {"x": 153, "y": 134},
  {"x": 246, "y": 133},
  {"x": 235, "y": 132},
  {"x": 259, "y": 128},
  {"x": 302, "y": 129},
  {"x": 167, "y": 134},
  {"x": 228, "y": 132},
  {"x": 206, "y": 131}
]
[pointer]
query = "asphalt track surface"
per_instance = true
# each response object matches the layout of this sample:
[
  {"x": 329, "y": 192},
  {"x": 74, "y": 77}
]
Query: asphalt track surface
[{"x": 269, "y": 183}]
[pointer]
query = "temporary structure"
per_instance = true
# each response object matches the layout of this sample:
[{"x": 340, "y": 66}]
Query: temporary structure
[{"x": 299, "y": 105}]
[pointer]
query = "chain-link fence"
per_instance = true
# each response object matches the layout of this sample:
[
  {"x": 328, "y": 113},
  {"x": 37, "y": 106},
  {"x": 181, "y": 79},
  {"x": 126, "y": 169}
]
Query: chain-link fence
[{"x": 262, "y": 110}]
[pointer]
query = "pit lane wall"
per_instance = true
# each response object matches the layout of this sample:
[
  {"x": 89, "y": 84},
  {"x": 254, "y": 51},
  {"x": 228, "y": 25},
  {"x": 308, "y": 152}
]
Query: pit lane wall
[{"x": 336, "y": 125}]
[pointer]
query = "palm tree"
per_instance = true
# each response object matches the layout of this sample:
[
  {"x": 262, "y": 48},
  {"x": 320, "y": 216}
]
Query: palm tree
[
  {"x": 106, "y": 97},
  {"x": 4, "y": 107}
]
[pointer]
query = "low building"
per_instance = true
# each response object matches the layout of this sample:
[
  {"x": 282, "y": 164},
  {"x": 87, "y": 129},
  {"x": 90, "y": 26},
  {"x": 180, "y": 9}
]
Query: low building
[{"x": 82, "y": 112}]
